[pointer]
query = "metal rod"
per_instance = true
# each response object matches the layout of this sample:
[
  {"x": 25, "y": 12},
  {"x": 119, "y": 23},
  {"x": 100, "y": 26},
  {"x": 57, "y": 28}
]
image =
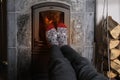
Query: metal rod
[{"x": 108, "y": 52}]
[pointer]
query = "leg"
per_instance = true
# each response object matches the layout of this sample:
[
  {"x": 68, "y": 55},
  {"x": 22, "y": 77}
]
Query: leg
[
  {"x": 83, "y": 68},
  {"x": 60, "y": 67}
]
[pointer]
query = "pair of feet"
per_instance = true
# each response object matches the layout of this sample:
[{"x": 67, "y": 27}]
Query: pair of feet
[{"x": 57, "y": 36}]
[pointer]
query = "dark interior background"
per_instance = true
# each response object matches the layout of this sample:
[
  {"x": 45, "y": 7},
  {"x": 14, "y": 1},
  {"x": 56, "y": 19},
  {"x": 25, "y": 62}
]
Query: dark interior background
[
  {"x": 3, "y": 40},
  {"x": 3, "y": 31}
]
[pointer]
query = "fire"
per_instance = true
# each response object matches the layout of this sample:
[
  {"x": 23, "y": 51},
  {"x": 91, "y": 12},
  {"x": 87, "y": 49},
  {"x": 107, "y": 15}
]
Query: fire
[
  {"x": 47, "y": 21},
  {"x": 50, "y": 17}
]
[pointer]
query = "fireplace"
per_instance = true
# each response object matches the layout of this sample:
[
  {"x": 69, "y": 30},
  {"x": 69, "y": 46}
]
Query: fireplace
[
  {"x": 22, "y": 24},
  {"x": 39, "y": 13},
  {"x": 40, "y": 46}
]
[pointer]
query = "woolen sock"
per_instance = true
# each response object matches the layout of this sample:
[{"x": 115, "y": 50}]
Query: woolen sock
[
  {"x": 51, "y": 35},
  {"x": 62, "y": 34}
]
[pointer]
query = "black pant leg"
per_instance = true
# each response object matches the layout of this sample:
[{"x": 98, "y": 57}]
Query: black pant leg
[
  {"x": 60, "y": 67},
  {"x": 83, "y": 68},
  {"x": 56, "y": 52}
]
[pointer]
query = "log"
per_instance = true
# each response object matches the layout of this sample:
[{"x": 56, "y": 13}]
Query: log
[
  {"x": 113, "y": 27},
  {"x": 114, "y": 53},
  {"x": 111, "y": 74},
  {"x": 115, "y": 33},
  {"x": 114, "y": 43},
  {"x": 111, "y": 23},
  {"x": 117, "y": 61},
  {"x": 118, "y": 47},
  {"x": 115, "y": 66}
]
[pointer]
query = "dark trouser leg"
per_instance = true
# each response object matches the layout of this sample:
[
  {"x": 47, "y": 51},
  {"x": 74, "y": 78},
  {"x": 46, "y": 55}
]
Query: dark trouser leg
[
  {"x": 60, "y": 67},
  {"x": 82, "y": 67}
]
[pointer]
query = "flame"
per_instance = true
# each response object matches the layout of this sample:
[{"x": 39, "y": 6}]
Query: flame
[
  {"x": 47, "y": 21},
  {"x": 51, "y": 17}
]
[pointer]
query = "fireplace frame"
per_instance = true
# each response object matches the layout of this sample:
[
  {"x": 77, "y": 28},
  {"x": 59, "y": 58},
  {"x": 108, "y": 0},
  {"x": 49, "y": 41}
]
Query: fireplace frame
[{"x": 44, "y": 7}]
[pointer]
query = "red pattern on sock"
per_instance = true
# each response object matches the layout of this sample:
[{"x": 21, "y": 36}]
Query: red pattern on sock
[
  {"x": 49, "y": 27},
  {"x": 62, "y": 25}
]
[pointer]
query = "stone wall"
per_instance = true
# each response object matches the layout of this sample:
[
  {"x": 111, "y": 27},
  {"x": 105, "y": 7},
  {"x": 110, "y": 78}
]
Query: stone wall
[{"x": 19, "y": 32}]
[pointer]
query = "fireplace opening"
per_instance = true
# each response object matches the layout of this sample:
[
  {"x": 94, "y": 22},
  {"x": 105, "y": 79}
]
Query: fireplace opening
[
  {"x": 45, "y": 18},
  {"x": 42, "y": 15}
]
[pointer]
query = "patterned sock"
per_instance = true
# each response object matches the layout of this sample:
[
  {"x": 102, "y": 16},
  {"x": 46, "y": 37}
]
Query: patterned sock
[
  {"x": 62, "y": 34},
  {"x": 51, "y": 35}
]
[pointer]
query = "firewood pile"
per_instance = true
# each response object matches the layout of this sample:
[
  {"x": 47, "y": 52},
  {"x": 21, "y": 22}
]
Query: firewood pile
[
  {"x": 109, "y": 47},
  {"x": 114, "y": 48}
]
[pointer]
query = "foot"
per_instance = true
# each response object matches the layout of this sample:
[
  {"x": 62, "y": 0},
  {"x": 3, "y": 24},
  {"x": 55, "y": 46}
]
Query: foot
[
  {"x": 62, "y": 34},
  {"x": 51, "y": 35}
]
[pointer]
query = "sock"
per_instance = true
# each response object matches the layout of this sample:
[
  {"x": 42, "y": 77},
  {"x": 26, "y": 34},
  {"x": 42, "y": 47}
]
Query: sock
[
  {"x": 51, "y": 35},
  {"x": 62, "y": 34}
]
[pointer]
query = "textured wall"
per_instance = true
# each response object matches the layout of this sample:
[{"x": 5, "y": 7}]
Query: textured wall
[
  {"x": 113, "y": 9},
  {"x": 19, "y": 32}
]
